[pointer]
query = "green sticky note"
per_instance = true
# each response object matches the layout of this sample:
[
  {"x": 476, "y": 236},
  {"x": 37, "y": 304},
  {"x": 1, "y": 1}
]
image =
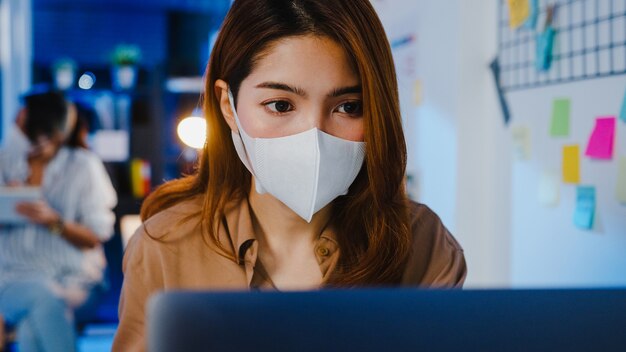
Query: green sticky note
[{"x": 560, "y": 118}]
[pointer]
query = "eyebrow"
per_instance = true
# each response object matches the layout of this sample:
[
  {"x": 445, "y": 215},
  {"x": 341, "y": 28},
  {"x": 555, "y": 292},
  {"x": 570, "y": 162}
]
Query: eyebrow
[
  {"x": 346, "y": 90},
  {"x": 299, "y": 91},
  {"x": 282, "y": 86}
]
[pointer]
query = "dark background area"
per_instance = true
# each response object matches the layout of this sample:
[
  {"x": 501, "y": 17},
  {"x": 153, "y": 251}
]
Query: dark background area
[{"x": 173, "y": 36}]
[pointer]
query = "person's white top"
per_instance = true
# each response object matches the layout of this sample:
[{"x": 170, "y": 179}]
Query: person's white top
[{"x": 78, "y": 187}]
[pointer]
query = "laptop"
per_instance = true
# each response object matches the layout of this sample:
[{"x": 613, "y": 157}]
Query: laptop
[{"x": 389, "y": 320}]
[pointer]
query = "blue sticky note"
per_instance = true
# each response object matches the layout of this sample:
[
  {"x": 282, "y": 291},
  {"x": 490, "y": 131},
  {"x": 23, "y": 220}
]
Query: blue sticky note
[
  {"x": 531, "y": 22},
  {"x": 622, "y": 114},
  {"x": 545, "y": 41},
  {"x": 585, "y": 207}
]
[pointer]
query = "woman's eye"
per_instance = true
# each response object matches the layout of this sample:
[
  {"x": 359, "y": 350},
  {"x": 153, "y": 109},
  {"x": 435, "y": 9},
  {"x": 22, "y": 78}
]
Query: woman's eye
[
  {"x": 351, "y": 108},
  {"x": 280, "y": 106}
]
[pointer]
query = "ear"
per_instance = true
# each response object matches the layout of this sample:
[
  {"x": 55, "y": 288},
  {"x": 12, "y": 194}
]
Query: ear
[{"x": 221, "y": 92}]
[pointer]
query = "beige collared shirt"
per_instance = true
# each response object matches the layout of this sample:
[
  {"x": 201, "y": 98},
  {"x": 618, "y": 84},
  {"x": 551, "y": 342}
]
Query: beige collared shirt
[{"x": 168, "y": 253}]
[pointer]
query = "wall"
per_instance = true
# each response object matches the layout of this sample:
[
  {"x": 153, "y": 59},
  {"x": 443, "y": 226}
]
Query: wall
[
  {"x": 430, "y": 126},
  {"x": 462, "y": 153},
  {"x": 455, "y": 134},
  {"x": 436, "y": 134},
  {"x": 89, "y": 37},
  {"x": 548, "y": 250},
  {"x": 15, "y": 57},
  {"x": 483, "y": 157}
]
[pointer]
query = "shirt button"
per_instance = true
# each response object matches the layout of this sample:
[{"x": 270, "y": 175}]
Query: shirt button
[{"x": 323, "y": 251}]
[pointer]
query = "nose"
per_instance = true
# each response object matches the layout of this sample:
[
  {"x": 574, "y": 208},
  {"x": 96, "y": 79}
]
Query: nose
[{"x": 318, "y": 120}]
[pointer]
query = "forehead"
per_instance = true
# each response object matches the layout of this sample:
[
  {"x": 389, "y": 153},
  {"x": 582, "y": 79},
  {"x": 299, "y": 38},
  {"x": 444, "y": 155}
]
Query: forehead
[{"x": 304, "y": 60}]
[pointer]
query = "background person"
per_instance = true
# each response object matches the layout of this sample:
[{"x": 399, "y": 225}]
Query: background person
[{"x": 49, "y": 264}]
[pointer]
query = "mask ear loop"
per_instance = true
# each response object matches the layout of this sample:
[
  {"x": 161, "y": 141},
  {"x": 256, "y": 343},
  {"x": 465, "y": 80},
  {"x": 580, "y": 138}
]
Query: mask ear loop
[
  {"x": 231, "y": 100},
  {"x": 239, "y": 144}
]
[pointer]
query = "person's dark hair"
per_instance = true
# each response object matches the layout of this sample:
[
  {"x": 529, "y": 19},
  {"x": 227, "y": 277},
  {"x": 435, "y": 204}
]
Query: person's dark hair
[
  {"x": 46, "y": 114},
  {"x": 85, "y": 119},
  {"x": 372, "y": 219}
]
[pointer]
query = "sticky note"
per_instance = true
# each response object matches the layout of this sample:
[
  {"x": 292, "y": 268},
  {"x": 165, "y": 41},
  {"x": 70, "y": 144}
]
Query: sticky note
[
  {"x": 621, "y": 180},
  {"x": 417, "y": 92},
  {"x": 521, "y": 142},
  {"x": 585, "y": 207},
  {"x": 518, "y": 12},
  {"x": 600, "y": 144},
  {"x": 622, "y": 114},
  {"x": 559, "y": 127},
  {"x": 571, "y": 164},
  {"x": 548, "y": 191},
  {"x": 545, "y": 42},
  {"x": 531, "y": 22}
]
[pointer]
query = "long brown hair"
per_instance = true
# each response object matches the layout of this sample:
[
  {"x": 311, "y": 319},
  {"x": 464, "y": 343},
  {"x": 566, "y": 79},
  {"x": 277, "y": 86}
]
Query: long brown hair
[{"x": 371, "y": 221}]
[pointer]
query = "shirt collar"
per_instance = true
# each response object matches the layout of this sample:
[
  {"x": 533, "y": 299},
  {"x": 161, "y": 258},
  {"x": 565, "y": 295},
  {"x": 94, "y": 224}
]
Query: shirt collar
[
  {"x": 243, "y": 238},
  {"x": 240, "y": 230}
]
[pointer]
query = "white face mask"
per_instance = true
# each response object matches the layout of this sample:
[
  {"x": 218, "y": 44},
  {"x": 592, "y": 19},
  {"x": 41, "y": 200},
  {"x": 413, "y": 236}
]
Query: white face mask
[{"x": 306, "y": 171}]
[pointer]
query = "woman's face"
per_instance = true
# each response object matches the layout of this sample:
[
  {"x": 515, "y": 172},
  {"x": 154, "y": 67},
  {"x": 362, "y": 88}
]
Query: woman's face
[
  {"x": 45, "y": 147},
  {"x": 301, "y": 83}
]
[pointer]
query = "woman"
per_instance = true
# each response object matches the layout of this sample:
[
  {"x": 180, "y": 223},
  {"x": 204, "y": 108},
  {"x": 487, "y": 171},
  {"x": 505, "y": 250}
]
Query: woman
[
  {"x": 300, "y": 184},
  {"x": 50, "y": 261}
]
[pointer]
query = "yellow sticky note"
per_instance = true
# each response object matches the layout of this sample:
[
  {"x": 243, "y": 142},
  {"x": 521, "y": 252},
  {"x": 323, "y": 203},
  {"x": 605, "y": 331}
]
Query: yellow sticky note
[
  {"x": 571, "y": 164},
  {"x": 621, "y": 180},
  {"x": 518, "y": 12}
]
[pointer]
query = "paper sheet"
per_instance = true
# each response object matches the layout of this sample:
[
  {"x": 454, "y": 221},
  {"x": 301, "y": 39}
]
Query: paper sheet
[
  {"x": 521, "y": 142},
  {"x": 600, "y": 144},
  {"x": 518, "y": 12},
  {"x": 10, "y": 197},
  {"x": 585, "y": 207},
  {"x": 560, "y": 118},
  {"x": 417, "y": 92},
  {"x": 571, "y": 164},
  {"x": 548, "y": 191},
  {"x": 111, "y": 145}
]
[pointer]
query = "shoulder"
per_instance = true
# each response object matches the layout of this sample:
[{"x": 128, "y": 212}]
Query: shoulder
[
  {"x": 82, "y": 162},
  {"x": 158, "y": 238},
  {"x": 436, "y": 257},
  {"x": 426, "y": 226},
  {"x": 81, "y": 155},
  {"x": 175, "y": 222}
]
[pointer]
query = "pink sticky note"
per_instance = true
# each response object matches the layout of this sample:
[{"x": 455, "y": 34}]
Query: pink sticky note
[{"x": 601, "y": 141}]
